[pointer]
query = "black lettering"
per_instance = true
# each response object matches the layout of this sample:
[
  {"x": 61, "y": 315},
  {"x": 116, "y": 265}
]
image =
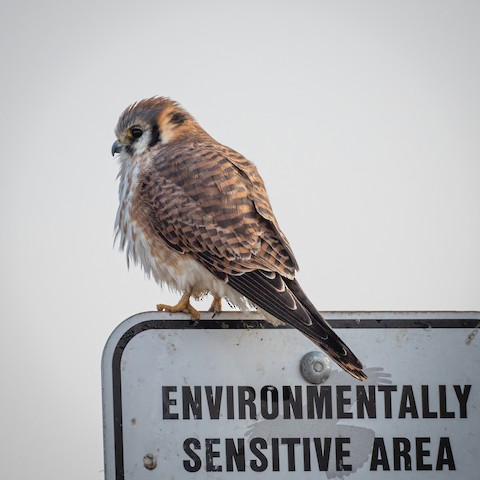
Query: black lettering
[
  {"x": 197, "y": 463},
  {"x": 246, "y": 397},
  {"x": 307, "y": 465},
  {"x": 230, "y": 410},
  {"x": 262, "y": 464},
  {"x": 210, "y": 454},
  {"x": 421, "y": 453},
  {"x": 401, "y": 449},
  {"x": 340, "y": 455},
  {"x": 293, "y": 402},
  {"x": 192, "y": 402},
  {"x": 233, "y": 453},
  {"x": 269, "y": 395},
  {"x": 442, "y": 393},
  {"x": 407, "y": 403},
  {"x": 379, "y": 455},
  {"x": 426, "y": 413},
  {"x": 366, "y": 403},
  {"x": 445, "y": 455},
  {"x": 462, "y": 398},
  {"x": 291, "y": 442},
  {"x": 214, "y": 401},
  {"x": 387, "y": 398},
  {"x": 323, "y": 454},
  {"x": 319, "y": 400},
  {"x": 275, "y": 456},
  {"x": 342, "y": 401},
  {"x": 167, "y": 402}
]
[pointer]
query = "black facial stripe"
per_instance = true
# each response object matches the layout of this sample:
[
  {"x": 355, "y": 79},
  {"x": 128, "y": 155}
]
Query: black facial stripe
[
  {"x": 155, "y": 138},
  {"x": 177, "y": 118}
]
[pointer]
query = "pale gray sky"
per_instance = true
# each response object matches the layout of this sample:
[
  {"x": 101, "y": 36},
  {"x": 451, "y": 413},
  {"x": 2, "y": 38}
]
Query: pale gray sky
[{"x": 362, "y": 117}]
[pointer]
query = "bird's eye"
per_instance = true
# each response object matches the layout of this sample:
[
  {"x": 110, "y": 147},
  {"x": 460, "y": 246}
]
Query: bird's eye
[{"x": 136, "y": 132}]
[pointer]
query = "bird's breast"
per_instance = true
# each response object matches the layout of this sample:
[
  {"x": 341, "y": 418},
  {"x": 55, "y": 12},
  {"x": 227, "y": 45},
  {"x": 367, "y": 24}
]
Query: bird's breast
[{"x": 144, "y": 247}]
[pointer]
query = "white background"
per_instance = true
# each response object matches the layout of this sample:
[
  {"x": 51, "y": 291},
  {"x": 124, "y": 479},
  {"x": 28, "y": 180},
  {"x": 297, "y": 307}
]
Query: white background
[{"x": 362, "y": 117}]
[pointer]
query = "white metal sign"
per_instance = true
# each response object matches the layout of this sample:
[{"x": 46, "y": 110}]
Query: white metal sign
[{"x": 225, "y": 399}]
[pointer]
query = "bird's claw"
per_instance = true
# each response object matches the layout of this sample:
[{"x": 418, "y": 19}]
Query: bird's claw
[
  {"x": 216, "y": 306},
  {"x": 182, "y": 306}
]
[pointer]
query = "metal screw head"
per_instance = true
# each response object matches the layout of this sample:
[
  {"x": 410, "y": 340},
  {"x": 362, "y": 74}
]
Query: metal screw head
[
  {"x": 315, "y": 367},
  {"x": 149, "y": 461}
]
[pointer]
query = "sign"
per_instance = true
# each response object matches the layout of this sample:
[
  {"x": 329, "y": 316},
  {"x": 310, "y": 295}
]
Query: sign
[{"x": 224, "y": 398}]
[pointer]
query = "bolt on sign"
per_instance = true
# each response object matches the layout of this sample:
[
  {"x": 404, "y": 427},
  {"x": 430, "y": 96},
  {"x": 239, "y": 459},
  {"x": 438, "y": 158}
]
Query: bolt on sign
[{"x": 233, "y": 397}]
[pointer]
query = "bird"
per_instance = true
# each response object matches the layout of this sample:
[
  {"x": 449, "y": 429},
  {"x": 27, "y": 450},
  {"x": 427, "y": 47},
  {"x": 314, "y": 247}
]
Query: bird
[{"x": 195, "y": 214}]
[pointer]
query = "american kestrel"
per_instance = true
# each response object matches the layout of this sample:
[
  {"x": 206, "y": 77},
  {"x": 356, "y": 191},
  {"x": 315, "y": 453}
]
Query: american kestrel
[{"x": 195, "y": 214}]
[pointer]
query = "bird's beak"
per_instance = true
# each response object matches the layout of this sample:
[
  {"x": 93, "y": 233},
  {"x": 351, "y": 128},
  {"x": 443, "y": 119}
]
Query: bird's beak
[{"x": 117, "y": 147}]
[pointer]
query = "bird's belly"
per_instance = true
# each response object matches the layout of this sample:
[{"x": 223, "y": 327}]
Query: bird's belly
[{"x": 180, "y": 272}]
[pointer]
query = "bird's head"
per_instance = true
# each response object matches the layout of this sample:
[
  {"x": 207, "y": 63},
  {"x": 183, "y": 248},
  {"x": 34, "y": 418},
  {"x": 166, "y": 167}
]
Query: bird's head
[{"x": 151, "y": 123}]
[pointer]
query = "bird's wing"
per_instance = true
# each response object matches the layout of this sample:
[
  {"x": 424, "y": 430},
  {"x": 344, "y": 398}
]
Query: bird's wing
[
  {"x": 209, "y": 202},
  {"x": 199, "y": 200}
]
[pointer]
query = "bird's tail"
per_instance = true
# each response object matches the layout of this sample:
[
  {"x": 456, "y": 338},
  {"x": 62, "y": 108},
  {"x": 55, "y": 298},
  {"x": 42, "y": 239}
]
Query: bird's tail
[
  {"x": 285, "y": 300},
  {"x": 333, "y": 346},
  {"x": 324, "y": 336}
]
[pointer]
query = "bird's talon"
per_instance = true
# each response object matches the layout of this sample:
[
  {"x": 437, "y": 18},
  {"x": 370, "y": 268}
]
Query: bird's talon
[
  {"x": 216, "y": 306},
  {"x": 193, "y": 312},
  {"x": 182, "y": 306},
  {"x": 164, "y": 308},
  {"x": 179, "y": 309}
]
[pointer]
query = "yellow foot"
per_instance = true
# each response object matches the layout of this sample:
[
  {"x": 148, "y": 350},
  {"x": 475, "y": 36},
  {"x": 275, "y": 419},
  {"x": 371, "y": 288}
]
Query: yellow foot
[
  {"x": 216, "y": 306},
  {"x": 182, "y": 306}
]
